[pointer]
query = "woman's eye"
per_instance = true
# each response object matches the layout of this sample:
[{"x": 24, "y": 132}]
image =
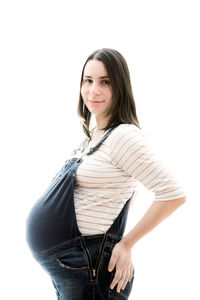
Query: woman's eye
[
  {"x": 88, "y": 80},
  {"x": 105, "y": 81}
]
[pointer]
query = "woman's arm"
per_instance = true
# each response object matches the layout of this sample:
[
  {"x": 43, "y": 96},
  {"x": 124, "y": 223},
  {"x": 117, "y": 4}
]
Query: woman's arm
[
  {"x": 121, "y": 254},
  {"x": 157, "y": 212},
  {"x": 132, "y": 153}
]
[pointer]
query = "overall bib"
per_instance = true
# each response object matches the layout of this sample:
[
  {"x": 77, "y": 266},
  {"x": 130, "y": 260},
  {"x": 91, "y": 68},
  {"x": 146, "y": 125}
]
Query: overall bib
[{"x": 77, "y": 264}]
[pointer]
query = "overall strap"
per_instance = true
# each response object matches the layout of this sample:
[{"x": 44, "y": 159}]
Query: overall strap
[
  {"x": 80, "y": 147},
  {"x": 96, "y": 146}
]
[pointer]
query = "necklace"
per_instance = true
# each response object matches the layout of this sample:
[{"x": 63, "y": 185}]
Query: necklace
[{"x": 95, "y": 137}]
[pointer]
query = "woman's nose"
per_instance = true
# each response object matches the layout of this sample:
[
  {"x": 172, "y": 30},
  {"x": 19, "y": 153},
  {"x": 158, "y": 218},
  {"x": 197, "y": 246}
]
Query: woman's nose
[{"x": 94, "y": 88}]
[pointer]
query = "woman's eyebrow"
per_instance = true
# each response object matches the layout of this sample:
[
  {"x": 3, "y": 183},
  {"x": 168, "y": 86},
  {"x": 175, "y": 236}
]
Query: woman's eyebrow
[{"x": 99, "y": 77}]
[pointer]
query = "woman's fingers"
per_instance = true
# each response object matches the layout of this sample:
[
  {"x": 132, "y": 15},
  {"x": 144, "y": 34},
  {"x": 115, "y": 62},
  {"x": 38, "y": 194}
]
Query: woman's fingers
[
  {"x": 131, "y": 273},
  {"x": 121, "y": 278},
  {"x": 122, "y": 262},
  {"x": 123, "y": 281},
  {"x": 128, "y": 278},
  {"x": 116, "y": 278},
  {"x": 112, "y": 262}
]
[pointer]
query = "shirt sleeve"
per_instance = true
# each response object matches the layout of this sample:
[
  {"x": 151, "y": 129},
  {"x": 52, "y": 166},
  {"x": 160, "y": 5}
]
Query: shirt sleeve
[{"x": 131, "y": 152}]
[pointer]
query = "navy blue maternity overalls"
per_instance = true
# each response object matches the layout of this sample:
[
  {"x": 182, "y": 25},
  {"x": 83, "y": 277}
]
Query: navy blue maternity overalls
[{"x": 77, "y": 264}]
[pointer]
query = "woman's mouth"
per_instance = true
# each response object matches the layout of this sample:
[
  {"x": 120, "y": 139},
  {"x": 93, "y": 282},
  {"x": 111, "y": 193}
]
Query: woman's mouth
[{"x": 96, "y": 102}]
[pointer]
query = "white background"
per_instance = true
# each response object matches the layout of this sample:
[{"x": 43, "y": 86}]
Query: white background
[{"x": 44, "y": 45}]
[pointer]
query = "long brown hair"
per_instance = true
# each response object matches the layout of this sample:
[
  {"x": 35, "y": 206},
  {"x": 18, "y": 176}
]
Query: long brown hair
[{"x": 123, "y": 110}]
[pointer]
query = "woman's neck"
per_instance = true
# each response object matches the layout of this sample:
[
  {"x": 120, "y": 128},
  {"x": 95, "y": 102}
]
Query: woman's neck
[{"x": 101, "y": 123}]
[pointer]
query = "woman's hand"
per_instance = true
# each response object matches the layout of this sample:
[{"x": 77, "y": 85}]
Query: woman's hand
[{"x": 121, "y": 259}]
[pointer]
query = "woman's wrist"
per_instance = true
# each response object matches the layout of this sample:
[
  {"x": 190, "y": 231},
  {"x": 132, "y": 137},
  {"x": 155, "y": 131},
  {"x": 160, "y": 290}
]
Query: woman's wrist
[{"x": 128, "y": 242}]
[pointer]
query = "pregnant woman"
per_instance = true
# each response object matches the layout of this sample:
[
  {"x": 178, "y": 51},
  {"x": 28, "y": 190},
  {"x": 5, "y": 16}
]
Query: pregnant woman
[{"x": 76, "y": 228}]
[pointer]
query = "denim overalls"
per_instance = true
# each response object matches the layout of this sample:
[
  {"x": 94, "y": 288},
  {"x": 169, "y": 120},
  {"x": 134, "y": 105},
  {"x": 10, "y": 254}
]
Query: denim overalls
[{"x": 77, "y": 264}]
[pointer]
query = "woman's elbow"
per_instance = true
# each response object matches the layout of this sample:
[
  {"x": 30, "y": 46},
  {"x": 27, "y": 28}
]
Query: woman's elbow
[{"x": 180, "y": 201}]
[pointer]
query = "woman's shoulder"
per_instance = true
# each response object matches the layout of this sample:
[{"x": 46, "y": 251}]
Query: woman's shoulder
[
  {"x": 129, "y": 134},
  {"x": 124, "y": 129}
]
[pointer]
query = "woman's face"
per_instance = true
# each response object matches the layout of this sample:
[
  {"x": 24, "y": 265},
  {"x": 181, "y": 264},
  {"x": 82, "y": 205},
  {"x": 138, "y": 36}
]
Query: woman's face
[{"x": 96, "y": 90}]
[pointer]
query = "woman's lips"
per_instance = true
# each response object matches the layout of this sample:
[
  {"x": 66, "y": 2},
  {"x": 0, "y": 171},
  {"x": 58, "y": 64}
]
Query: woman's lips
[{"x": 93, "y": 101}]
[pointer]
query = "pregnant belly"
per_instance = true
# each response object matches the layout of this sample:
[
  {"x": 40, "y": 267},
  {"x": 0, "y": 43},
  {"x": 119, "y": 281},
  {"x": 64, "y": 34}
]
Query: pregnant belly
[{"x": 52, "y": 219}]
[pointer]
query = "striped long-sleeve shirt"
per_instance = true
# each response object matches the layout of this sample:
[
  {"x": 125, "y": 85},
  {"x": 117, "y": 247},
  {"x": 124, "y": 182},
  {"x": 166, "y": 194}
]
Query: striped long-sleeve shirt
[{"x": 106, "y": 179}]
